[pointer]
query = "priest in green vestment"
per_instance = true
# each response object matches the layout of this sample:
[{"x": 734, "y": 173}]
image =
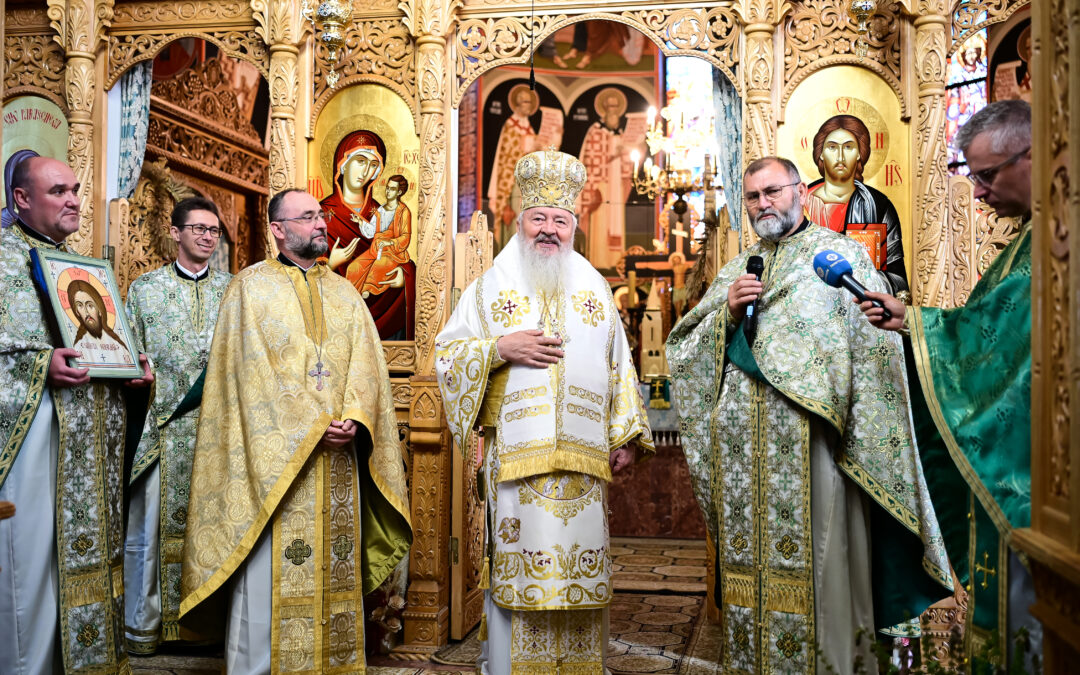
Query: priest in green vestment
[
  {"x": 298, "y": 504},
  {"x": 973, "y": 403},
  {"x": 61, "y": 460},
  {"x": 173, "y": 310},
  {"x": 799, "y": 442}
]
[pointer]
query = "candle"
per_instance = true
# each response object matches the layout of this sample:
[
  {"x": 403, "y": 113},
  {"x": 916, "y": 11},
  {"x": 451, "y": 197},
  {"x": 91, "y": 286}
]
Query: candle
[
  {"x": 631, "y": 289},
  {"x": 635, "y": 155}
]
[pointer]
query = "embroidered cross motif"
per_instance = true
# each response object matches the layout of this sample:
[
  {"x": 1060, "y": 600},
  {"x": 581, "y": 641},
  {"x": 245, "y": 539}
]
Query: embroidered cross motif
[
  {"x": 509, "y": 307},
  {"x": 87, "y": 634},
  {"x": 298, "y": 552},
  {"x": 82, "y": 544},
  {"x": 319, "y": 373},
  {"x": 590, "y": 306},
  {"x": 787, "y": 547},
  {"x": 342, "y": 547},
  {"x": 788, "y": 645},
  {"x": 739, "y": 543},
  {"x": 985, "y": 569}
]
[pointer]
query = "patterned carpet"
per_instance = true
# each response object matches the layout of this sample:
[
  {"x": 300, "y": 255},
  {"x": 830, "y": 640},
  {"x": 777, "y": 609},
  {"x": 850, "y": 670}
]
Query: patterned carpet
[{"x": 657, "y": 621}]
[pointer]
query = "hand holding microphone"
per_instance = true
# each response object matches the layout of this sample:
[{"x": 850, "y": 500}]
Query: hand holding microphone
[
  {"x": 744, "y": 291},
  {"x": 836, "y": 271}
]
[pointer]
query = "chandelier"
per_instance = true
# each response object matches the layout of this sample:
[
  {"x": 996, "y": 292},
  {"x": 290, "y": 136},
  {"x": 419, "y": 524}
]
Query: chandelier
[
  {"x": 861, "y": 11},
  {"x": 330, "y": 19},
  {"x": 676, "y": 143}
]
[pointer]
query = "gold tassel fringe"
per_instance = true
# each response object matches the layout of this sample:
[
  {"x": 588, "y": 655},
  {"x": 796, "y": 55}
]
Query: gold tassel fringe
[
  {"x": 481, "y": 634},
  {"x": 485, "y": 574}
]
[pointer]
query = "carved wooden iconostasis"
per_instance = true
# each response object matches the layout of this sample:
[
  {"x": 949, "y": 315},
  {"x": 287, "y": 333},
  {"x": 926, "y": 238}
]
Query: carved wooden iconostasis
[{"x": 429, "y": 91}]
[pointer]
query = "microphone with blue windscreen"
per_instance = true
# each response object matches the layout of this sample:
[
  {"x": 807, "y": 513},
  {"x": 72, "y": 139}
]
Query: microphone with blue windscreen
[{"x": 835, "y": 270}]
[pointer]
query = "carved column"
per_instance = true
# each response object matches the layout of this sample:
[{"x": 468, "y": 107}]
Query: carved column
[
  {"x": 934, "y": 238},
  {"x": 760, "y": 18},
  {"x": 427, "y": 615},
  {"x": 279, "y": 25},
  {"x": 80, "y": 29}
]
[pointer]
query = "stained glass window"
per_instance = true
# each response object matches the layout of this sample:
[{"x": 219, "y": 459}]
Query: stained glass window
[{"x": 965, "y": 93}]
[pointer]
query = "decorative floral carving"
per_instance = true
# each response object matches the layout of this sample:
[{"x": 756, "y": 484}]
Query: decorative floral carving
[
  {"x": 712, "y": 34},
  {"x": 206, "y": 152},
  {"x": 132, "y": 15},
  {"x": 966, "y": 17},
  {"x": 820, "y": 33},
  {"x": 400, "y": 358},
  {"x": 374, "y": 50},
  {"x": 207, "y": 93},
  {"x": 129, "y": 49},
  {"x": 35, "y": 62}
]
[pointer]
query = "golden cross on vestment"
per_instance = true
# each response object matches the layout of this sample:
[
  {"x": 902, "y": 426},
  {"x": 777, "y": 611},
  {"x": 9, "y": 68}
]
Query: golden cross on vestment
[{"x": 985, "y": 569}]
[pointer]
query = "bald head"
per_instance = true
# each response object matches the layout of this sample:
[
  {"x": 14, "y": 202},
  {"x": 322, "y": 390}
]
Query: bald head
[{"x": 46, "y": 197}]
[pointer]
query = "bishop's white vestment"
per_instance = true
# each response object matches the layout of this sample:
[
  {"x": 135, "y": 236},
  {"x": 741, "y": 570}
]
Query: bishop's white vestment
[{"x": 546, "y": 466}]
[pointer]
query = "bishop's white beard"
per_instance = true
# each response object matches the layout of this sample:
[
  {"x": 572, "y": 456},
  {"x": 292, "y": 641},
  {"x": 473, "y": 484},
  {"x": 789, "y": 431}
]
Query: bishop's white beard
[{"x": 543, "y": 270}]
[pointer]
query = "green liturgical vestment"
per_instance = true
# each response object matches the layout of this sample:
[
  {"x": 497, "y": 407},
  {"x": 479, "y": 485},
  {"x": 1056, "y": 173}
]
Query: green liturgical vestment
[
  {"x": 973, "y": 417},
  {"x": 173, "y": 318},
  {"x": 803, "y": 460},
  {"x": 86, "y": 522}
]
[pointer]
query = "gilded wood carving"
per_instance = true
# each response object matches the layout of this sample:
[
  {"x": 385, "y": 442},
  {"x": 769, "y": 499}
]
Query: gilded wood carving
[
  {"x": 711, "y": 34},
  {"x": 80, "y": 27},
  {"x": 819, "y": 34},
  {"x": 33, "y": 60},
  {"x": 379, "y": 51}
]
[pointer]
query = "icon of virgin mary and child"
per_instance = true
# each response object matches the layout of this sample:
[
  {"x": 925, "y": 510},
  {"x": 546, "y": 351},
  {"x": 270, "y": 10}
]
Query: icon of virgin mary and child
[{"x": 371, "y": 240}]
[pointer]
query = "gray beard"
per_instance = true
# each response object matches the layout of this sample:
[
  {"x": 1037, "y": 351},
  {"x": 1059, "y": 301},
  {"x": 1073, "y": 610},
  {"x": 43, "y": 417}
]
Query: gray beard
[
  {"x": 305, "y": 249},
  {"x": 774, "y": 229},
  {"x": 544, "y": 272}
]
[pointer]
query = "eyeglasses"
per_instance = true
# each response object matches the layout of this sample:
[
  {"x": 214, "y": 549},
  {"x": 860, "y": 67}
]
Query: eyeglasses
[
  {"x": 986, "y": 177},
  {"x": 772, "y": 193},
  {"x": 307, "y": 218},
  {"x": 200, "y": 230}
]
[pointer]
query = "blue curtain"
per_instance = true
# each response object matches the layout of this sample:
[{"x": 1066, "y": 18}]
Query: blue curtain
[
  {"x": 134, "y": 119},
  {"x": 729, "y": 136}
]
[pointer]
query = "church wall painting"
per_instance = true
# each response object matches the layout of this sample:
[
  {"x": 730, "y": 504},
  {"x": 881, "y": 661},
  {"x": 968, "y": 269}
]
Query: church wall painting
[
  {"x": 363, "y": 169},
  {"x": 597, "y": 113},
  {"x": 828, "y": 100}
]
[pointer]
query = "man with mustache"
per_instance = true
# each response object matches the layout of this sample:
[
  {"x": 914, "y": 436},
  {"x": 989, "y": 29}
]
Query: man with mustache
[
  {"x": 94, "y": 338},
  {"x": 173, "y": 311},
  {"x": 842, "y": 202},
  {"x": 61, "y": 556},
  {"x": 535, "y": 356},
  {"x": 799, "y": 444},
  {"x": 297, "y": 447}
]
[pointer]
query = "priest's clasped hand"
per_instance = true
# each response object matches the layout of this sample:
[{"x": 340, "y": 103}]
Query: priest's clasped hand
[
  {"x": 741, "y": 293},
  {"x": 530, "y": 348},
  {"x": 339, "y": 433}
]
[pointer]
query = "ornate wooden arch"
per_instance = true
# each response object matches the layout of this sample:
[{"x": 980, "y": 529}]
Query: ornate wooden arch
[
  {"x": 709, "y": 34},
  {"x": 378, "y": 51},
  {"x": 127, "y": 50},
  {"x": 966, "y": 14}
]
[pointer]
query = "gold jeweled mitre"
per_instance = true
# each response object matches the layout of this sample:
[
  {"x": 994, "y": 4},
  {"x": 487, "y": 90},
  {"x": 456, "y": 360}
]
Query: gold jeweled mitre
[{"x": 549, "y": 178}]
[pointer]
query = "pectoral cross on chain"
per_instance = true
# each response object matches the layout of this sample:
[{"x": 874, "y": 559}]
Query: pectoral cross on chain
[
  {"x": 985, "y": 569},
  {"x": 318, "y": 373}
]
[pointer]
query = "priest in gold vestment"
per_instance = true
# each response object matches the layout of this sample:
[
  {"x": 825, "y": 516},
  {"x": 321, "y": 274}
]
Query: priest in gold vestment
[
  {"x": 535, "y": 352},
  {"x": 298, "y": 504}
]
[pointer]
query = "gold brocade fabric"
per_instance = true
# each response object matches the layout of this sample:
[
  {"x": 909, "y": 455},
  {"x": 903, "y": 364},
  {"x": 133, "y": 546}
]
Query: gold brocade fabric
[
  {"x": 263, "y": 416},
  {"x": 567, "y": 417}
]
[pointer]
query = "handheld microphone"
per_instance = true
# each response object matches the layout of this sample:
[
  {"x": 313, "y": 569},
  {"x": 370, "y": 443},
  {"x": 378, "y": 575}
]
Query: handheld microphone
[
  {"x": 835, "y": 270},
  {"x": 754, "y": 265}
]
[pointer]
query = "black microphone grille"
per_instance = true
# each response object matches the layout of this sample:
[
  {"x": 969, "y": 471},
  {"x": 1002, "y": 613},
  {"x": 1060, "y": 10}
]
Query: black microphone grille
[{"x": 755, "y": 265}]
